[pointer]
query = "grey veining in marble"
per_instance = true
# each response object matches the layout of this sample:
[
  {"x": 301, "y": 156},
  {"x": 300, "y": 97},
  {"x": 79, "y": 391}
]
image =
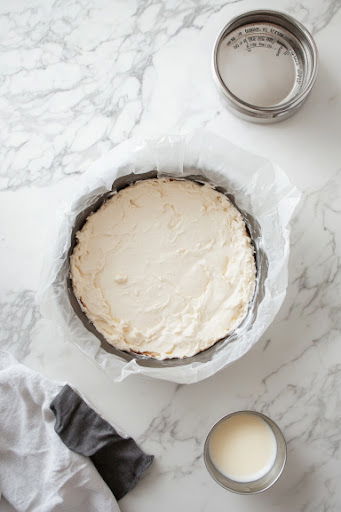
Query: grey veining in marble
[
  {"x": 78, "y": 77},
  {"x": 18, "y": 316}
]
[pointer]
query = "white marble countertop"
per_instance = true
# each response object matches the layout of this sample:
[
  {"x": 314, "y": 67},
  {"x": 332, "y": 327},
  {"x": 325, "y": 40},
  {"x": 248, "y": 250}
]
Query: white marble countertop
[{"x": 77, "y": 77}]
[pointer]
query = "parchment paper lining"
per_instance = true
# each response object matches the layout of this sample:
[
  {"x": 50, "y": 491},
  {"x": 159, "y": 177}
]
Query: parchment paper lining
[{"x": 258, "y": 188}]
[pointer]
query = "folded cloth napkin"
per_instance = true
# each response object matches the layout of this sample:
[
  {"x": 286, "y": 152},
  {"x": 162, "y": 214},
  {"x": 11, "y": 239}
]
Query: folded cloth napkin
[
  {"x": 38, "y": 473},
  {"x": 119, "y": 461}
]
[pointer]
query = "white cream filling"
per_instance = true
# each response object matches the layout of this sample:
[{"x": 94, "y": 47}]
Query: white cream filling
[{"x": 164, "y": 267}]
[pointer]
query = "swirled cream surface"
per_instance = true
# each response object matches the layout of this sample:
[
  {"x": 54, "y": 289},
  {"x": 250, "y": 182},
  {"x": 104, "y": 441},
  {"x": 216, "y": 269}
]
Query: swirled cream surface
[{"x": 165, "y": 268}]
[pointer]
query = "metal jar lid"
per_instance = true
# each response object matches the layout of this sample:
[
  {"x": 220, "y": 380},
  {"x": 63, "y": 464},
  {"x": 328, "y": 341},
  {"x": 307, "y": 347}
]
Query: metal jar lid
[{"x": 265, "y": 65}]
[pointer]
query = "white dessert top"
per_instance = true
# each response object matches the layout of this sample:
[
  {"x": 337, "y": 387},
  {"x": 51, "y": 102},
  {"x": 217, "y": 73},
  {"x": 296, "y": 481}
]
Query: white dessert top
[{"x": 165, "y": 268}]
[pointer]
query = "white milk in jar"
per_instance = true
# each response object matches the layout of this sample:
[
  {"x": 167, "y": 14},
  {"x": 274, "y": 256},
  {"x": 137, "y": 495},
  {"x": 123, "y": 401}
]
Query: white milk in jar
[{"x": 243, "y": 447}]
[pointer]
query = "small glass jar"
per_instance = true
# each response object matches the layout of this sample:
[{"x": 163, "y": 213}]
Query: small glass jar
[{"x": 255, "y": 486}]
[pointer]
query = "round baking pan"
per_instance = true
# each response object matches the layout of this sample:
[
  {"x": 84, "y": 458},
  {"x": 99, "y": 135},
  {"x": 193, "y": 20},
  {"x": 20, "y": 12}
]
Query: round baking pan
[
  {"x": 261, "y": 260},
  {"x": 279, "y": 35}
]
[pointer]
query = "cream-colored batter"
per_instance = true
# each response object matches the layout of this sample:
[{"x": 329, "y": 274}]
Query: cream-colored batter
[{"x": 164, "y": 267}]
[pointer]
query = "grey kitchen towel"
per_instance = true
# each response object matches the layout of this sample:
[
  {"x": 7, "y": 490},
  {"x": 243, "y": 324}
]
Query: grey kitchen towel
[
  {"x": 38, "y": 473},
  {"x": 119, "y": 460}
]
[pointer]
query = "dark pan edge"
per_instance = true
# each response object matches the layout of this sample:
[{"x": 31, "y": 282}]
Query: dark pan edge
[{"x": 261, "y": 260}]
